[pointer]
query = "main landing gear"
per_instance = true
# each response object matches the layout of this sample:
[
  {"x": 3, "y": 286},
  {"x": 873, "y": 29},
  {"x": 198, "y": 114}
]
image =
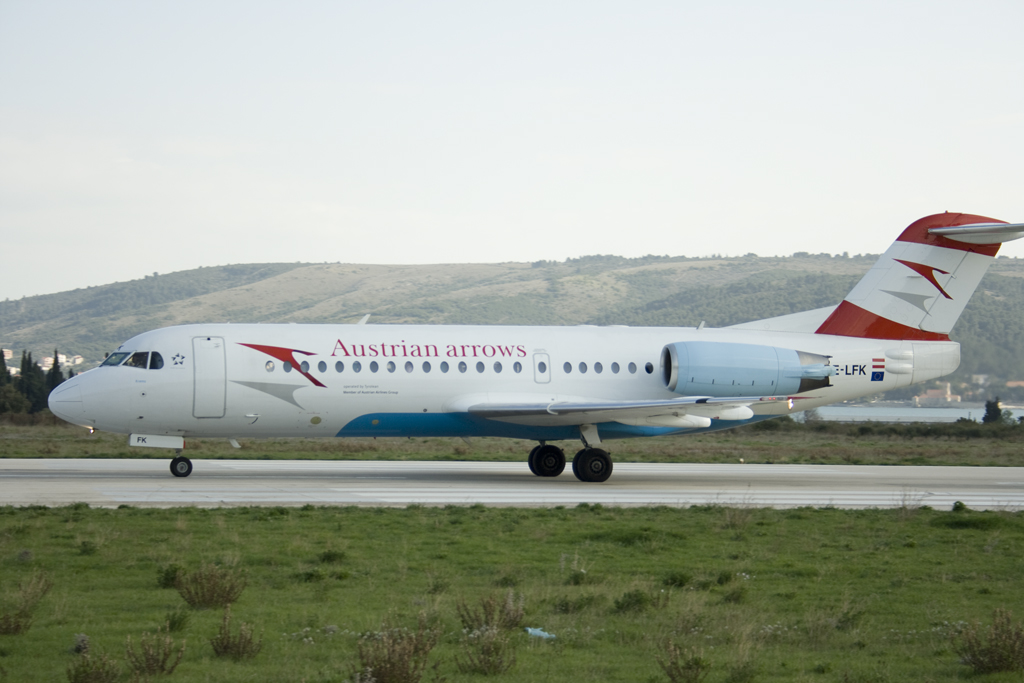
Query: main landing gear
[
  {"x": 181, "y": 466},
  {"x": 592, "y": 465}
]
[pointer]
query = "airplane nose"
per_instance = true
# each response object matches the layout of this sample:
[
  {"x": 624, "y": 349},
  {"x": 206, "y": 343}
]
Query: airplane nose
[{"x": 66, "y": 402}]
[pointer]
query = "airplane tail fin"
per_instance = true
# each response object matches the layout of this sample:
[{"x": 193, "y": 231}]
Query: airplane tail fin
[{"x": 920, "y": 285}]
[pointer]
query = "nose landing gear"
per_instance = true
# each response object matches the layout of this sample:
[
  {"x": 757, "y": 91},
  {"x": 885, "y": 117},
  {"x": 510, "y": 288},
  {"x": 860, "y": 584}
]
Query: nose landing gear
[{"x": 181, "y": 466}]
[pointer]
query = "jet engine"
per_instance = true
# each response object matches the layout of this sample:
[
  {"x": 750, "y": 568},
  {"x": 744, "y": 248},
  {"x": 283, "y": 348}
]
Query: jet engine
[{"x": 724, "y": 369}]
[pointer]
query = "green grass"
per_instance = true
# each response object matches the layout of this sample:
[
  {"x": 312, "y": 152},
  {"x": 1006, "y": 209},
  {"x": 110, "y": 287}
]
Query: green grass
[
  {"x": 819, "y": 443},
  {"x": 767, "y": 595}
]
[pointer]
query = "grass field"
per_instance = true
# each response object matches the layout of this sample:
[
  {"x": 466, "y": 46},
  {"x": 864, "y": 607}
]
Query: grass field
[
  {"x": 769, "y": 442},
  {"x": 764, "y": 595}
]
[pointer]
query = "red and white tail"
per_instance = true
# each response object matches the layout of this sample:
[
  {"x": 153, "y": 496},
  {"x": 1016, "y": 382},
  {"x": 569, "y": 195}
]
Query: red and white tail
[{"x": 919, "y": 287}]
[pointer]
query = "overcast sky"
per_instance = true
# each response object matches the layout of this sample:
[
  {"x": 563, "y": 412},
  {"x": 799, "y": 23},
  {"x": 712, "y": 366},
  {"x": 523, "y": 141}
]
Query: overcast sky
[{"x": 160, "y": 136}]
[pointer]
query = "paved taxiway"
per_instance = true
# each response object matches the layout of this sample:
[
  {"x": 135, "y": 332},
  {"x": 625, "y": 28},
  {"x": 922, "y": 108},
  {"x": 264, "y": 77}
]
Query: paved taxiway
[{"x": 216, "y": 483}]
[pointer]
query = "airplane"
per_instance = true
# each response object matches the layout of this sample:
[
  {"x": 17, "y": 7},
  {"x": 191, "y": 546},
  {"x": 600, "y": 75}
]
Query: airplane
[{"x": 543, "y": 384}]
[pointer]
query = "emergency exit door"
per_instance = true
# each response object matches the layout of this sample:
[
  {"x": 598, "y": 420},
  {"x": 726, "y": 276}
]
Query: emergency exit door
[{"x": 210, "y": 373}]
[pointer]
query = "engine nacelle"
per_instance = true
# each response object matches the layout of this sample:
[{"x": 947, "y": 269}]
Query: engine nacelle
[{"x": 724, "y": 369}]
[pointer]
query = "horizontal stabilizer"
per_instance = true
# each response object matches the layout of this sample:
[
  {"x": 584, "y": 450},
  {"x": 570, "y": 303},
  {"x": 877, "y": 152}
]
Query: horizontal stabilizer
[{"x": 982, "y": 233}]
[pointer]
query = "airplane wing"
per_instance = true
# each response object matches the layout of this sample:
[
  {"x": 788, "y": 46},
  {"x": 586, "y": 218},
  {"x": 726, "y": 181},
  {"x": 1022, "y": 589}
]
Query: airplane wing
[{"x": 683, "y": 412}]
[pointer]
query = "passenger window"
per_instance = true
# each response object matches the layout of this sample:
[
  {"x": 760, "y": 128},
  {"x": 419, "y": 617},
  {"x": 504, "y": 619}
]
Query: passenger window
[
  {"x": 305, "y": 366},
  {"x": 156, "y": 361},
  {"x": 517, "y": 367},
  {"x": 567, "y": 367},
  {"x": 615, "y": 368},
  {"x": 632, "y": 368},
  {"x": 269, "y": 366},
  {"x": 321, "y": 366},
  {"x": 391, "y": 366},
  {"x": 598, "y": 368},
  {"x": 583, "y": 368},
  {"x": 287, "y": 366},
  {"x": 649, "y": 368},
  {"x": 479, "y": 366},
  {"x": 444, "y": 366},
  {"x": 339, "y": 366},
  {"x": 542, "y": 367},
  {"x": 462, "y": 366},
  {"x": 426, "y": 366},
  {"x": 408, "y": 366},
  {"x": 115, "y": 358},
  {"x": 497, "y": 366},
  {"x": 357, "y": 366},
  {"x": 373, "y": 366},
  {"x": 139, "y": 359}
]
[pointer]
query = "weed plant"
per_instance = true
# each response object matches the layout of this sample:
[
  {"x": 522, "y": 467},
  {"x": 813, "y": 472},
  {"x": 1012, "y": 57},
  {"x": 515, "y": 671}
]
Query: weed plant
[
  {"x": 494, "y": 612},
  {"x": 1003, "y": 650},
  {"x": 93, "y": 668},
  {"x": 156, "y": 654},
  {"x": 488, "y": 651},
  {"x": 684, "y": 665},
  {"x": 397, "y": 655},
  {"x": 17, "y": 617},
  {"x": 210, "y": 586},
  {"x": 237, "y": 647}
]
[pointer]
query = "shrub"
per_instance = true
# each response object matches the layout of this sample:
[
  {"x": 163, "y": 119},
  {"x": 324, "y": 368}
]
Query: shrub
[
  {"x": 487, "y": 651},
  {"x": 154, "y": 654},
  {"x": 177, "y": 620},
  {"x": 210, "y": 586},
  {"x": 634, "y": 601},
  {"x": 1004, "y": 650},
  {"x": 396, "y": 655},
  {"x": 677, "y": 579},
  {"x": 242, "y": 646},
  {"x": 19, "y": 618},
  {"x": 567, "y": 605},
  {"x": 493, "y": 612},
  {"x": 331, "y": 556},
  {"x": 93, "y": 669},
  {"x": 167, "y": 576},
  {"x": 683, "y": 666}
]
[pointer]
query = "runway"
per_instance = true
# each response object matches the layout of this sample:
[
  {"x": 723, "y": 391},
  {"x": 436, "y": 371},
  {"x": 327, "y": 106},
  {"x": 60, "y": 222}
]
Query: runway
[{"x": 222, "y": 483}]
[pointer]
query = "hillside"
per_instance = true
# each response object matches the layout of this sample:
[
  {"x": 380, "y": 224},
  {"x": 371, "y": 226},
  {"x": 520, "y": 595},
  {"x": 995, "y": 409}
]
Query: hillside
[{"x": 599, "y": 290}]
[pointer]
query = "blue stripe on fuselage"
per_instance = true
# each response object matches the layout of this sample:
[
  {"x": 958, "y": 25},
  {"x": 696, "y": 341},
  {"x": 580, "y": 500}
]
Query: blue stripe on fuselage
[{"x": 464, "y": 424}]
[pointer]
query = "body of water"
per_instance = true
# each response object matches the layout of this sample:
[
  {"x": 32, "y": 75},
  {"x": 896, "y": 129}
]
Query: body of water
[{"x": 908, "y": 413}]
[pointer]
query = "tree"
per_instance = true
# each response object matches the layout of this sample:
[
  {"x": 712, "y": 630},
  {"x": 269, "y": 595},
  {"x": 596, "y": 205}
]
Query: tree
[
  {"x": 11, "y": 400},
  {"x": 54, "y": 377},
  {"x": 993, "y": 413},
  {"x": 5, "y": 376},
  {"x": 32, "y": 383}
]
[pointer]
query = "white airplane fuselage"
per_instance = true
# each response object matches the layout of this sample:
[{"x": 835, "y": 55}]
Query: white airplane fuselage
[{"x": 390, "y": 380}]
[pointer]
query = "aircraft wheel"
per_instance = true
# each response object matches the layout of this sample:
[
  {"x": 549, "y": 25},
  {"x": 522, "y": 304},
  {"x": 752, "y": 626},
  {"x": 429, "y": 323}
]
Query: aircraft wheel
[
  {"x": 530, "y": 460},
  {"x": 592, "y": 465},
  {"x": 548, "y": 461},
  {"x": 181, "y": 466}
]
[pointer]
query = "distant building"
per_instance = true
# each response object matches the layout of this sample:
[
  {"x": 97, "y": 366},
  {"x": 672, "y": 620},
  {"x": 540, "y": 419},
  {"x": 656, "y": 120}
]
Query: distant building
[
  {"x": 8, "y": 353},
  {"x": 1015, "y": 383},
  {"x": 14, "y": 371},
  {"x": 937, "y": 397},
  {"x": 979, "y": 379},
  {"x": 77, "y": 360}
]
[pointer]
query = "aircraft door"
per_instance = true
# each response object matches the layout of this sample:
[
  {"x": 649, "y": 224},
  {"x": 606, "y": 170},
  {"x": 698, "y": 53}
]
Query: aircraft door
[
  {"x": 210, "y": 375},
  {"x": 541, "y": 368}
]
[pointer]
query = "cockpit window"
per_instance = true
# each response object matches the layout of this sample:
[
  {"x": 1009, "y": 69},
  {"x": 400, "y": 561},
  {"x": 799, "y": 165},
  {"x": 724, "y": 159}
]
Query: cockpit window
[
  {"x": 116, "y": 358},
  {"x": 156, "y": 361},
  {"x": 139, "y": 359}
]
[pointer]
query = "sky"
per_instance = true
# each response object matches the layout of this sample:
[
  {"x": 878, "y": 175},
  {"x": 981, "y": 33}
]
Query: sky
[{"x": 162, "y": 136}]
